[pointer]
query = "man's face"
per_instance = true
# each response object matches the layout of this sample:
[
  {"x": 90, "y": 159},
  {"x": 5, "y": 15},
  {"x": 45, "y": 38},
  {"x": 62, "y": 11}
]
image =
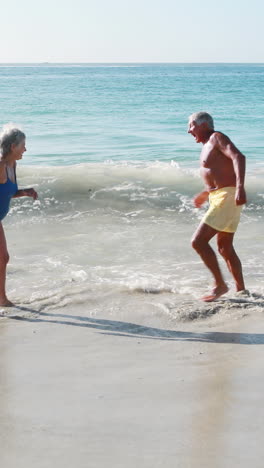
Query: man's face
[{"x": 197, "y": 131}]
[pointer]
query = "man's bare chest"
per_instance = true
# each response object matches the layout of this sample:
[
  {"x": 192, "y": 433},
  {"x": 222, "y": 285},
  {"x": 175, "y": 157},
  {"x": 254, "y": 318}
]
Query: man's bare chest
[{"x": 212, "y": 159}]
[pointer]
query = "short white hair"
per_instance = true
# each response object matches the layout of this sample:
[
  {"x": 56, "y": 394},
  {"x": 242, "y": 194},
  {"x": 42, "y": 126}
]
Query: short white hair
[
  {"x": 201, "y": 117},
  {"x": 9, "y": 135}
]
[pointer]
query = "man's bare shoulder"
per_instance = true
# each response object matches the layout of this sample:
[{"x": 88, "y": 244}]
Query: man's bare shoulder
[
  {"x": 219, "y": 138},
  {"x": 222, "y": 143}
]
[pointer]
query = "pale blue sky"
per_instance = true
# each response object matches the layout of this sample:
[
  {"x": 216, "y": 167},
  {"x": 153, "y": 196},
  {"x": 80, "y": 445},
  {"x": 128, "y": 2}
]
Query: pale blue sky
[{"x": 132, "y": 31}]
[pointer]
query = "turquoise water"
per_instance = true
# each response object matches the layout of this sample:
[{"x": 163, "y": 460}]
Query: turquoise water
[
  {"x": 95, "y": 113},
  {"x": 116, "y": 172}
]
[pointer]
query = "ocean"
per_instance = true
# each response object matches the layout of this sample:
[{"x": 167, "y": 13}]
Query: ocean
[{"x": 116, "y": 171}]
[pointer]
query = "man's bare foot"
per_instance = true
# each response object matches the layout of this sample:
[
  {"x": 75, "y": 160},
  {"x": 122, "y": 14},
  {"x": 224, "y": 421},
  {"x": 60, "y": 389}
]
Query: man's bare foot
[
  {"x": 243, "y": 293},
  {"x": 6, "y": 303},
  {"x": 216, "y": 293}
]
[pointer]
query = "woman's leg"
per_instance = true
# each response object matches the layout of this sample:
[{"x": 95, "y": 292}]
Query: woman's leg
[{"x": 4, "y": 258}]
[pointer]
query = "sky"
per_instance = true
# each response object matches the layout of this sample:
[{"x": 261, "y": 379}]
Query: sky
[{"x": 85, "y": 31}]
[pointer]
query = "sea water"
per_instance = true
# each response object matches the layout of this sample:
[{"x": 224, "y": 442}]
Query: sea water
[{"x": 116, "y": 171}]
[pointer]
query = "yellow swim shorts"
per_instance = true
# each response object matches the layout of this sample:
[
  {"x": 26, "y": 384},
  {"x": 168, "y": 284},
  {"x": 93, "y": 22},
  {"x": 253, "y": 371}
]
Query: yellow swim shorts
[{"x": 223, "y": 213}]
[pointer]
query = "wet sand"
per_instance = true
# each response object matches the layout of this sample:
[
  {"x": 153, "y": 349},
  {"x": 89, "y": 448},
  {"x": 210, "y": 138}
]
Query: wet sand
[{"x": 92, "y": 392}]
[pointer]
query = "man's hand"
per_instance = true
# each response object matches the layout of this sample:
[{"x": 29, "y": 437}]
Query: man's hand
[
  {"x": 200, "y": 199},
  {"x": 240, "y": 196},
  {"x": 30, "y": 192}
]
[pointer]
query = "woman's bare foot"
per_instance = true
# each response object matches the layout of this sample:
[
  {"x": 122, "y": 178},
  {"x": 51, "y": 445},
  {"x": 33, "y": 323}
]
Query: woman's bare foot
[
  {"x": 4, "y": 302},
  {"x": 216, "y": 293}
]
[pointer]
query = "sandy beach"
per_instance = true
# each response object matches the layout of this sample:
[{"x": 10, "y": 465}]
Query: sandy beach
[{"x": 93, "y": 391}]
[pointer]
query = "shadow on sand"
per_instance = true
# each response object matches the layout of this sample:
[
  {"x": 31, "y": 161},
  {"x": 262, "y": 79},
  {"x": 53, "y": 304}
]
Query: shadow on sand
[{"x": 132, "y": 330}]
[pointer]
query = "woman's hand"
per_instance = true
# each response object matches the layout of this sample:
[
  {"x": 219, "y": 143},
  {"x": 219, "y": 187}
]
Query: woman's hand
[{"x": 30, "y": 192}]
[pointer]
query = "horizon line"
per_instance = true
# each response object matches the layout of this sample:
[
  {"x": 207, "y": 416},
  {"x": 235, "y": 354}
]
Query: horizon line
[{"x": 130, "y": 63}]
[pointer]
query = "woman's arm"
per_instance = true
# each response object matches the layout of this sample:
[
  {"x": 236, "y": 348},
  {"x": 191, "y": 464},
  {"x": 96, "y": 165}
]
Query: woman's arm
[{"x": 28, "y": 192}]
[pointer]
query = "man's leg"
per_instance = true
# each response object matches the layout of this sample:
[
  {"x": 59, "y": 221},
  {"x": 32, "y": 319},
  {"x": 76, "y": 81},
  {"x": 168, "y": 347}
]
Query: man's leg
[
  {"x": 200, "y": 243},
  {"x": 226, "y": 249}
]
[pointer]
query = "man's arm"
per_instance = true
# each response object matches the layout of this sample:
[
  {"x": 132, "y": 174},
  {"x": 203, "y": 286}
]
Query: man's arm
[
  {"x": 228, "y": 148},
  {"x": 200, "y": 199}
]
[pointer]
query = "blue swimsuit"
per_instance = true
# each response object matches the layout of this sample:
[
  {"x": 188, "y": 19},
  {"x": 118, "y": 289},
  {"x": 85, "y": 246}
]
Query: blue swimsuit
[{"x": 7, "y": 191}]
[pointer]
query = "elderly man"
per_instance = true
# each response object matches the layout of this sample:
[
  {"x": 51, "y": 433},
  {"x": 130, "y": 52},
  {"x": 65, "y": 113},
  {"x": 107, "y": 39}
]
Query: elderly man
[{"x": 223, "y": 171}]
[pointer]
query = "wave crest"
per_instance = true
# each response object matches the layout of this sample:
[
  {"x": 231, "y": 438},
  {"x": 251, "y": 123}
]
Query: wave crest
[{"x": 125, "y": 186}]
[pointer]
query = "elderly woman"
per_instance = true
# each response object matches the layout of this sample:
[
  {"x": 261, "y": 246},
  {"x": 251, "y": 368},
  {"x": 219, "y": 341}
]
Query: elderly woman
[{"x": 12, "y": 147}]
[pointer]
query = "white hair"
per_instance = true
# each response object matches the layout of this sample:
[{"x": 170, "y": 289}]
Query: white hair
[
  {"x": 10, "y": 135},
  {"x": 201, "y": 117}
]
